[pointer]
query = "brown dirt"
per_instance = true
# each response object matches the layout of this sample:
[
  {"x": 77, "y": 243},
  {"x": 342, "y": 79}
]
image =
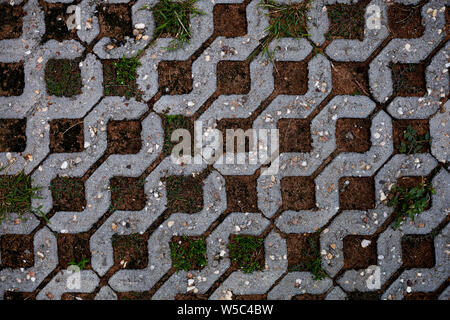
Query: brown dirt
[
  {"x": 115, "y": 21},
  {"x": 184, "y": 242},
  {"x": 357, "y": 257},
  {"x": 175, "y": 77},
  {"x": 241, "y": 193},
  {"x": 112, "y": 88},
  {"x": 235, "y": 124},
  {"x": 73, "y": 248},
  {"x": 55, "y": 21},
  {"x": 418, "y": 251},
  {"x": 127, "y": 193},
  {"x": 408, "y": 79},
  {"x": 17, "y": 251},
  {"x": 405, "y": 21},
  {"x": 349, "y": 23},
  {"x": 421, "y": 296},
  {"x": 233, "y": 77},
  {"x": 410, "y": 182},
  {"x": 295, "y": 135},
  {"x": 298, "y": 193},
  {"x": 353, "y": 135},
  {"x": 12, "y": 79},
  {"x": 257, "y": 255},
  {"x": 15, "y": 295},
  {"x": 63, "y": 77},
  {"x": 358, "y": 194},
  {"x": 66, "y": 135},
  {"x": 124, "y": 137},
  {"x": 131, "y": 249},
  {"x": 350, "y": 78},
  {"x": 191, "y": 296},
  {"x": 184, "y": 194},
  {"x": 133, "y": 296},
  {"x": 11, "y": 18},
  {"x": 399, "y": 126},
  {"x": 172, "y": 124},
  {"x": 77, "y": 296},
  {"x": 291, "y": 77},
  {"x": 302, "y": 249},
  {"x": 68, "y": 194},
  {"x": 230, "y": 20},
  {"x": 12, "y": 135}
]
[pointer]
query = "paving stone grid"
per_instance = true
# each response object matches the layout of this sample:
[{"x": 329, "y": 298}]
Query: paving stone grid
[{"x": 321, "y": 105}]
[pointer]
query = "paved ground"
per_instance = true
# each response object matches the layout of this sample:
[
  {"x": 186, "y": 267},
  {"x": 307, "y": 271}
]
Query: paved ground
[{"x": 341, "y": 105}]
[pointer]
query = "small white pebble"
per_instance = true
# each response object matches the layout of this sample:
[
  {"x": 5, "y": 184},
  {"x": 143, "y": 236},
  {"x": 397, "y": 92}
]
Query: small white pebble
[
  {"x": 64, "y": 165},
  {"x": 365, "y": 243}
]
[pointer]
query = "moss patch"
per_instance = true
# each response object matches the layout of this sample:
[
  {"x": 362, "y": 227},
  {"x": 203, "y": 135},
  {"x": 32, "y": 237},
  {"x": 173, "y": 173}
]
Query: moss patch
[
  {"x": 188, "y": 253},
  {"x": 63, "y": 77},
  {"x": 247, "y": 253}
]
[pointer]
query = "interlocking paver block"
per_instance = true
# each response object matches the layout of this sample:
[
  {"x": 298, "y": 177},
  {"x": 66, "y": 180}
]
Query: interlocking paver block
[
  {"x": 177, "y": 224},
  {"x": 355, "y": 50},
  {"x": 337, "y": 159},
  {"x": 45, "y": 260},
  {"x": 439, "y": 126},
  {"x": 388, "y": 244},
  {"x": 346, "y": 164},
  {"x": 32, "y": 31},
  {"x": 407, "y": 50},
  {"x": 296, "y": 283},
  {"x": 424, "y": 280}
]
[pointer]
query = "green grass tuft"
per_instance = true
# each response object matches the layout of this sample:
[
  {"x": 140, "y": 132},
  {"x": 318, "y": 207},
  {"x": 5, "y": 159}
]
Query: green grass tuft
[
  {"x": 410, "y": 201},
  {"x": 16, "y": 194},
  {"x": 243, "y": 250},
  {"x": 172, "y": 19},
  {"x": 126, "y": 69},
  {"x": 119, "y": 77},
  {"x": 312, "y": 260},
  {"x": 286, "y": 20},
  {"x": 189, "y": 254},
  {"x": 315, "y": 267},
  {"x": 172, "y": 123},
  {"x": 81, "y": 264}
]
